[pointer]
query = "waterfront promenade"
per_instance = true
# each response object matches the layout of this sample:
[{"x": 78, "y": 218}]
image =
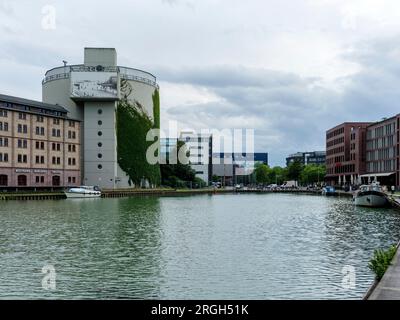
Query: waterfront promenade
[{"x": 129, "y": 192}]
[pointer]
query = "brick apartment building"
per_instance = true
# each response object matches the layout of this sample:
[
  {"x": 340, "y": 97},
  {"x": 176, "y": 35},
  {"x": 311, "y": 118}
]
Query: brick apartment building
[
  {"x": 39, "y": 145},
  {"x": 345, "y": 153},
  {"x": 382, "y": 152}
]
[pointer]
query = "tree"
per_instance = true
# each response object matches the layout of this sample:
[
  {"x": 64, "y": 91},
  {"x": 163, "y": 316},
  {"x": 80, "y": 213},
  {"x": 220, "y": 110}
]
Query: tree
[
  {"x": 294, "y": 170},
  {"x": 277, "y": 175},
  {"x": 177, "y": 174},
  {"x": 312, "y": 173},
  {"x": 261, "y": 173}
]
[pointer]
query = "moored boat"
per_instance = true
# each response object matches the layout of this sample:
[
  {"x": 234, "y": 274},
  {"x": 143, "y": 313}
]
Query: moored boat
[
  {"x": 328, "y": 191},
  {"x": 371, "y": 195},
  {"x": 83, "y": 192}
]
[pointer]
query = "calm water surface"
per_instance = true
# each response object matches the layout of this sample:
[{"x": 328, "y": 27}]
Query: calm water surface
[{"x": 247, "y": 246}]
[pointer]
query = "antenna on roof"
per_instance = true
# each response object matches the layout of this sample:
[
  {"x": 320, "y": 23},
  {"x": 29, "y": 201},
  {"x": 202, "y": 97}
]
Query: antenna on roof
[{"x": 65, "y": 63}]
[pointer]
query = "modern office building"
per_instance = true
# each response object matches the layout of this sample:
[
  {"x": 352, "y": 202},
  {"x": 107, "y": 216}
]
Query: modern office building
[
  {"x": 200, "y": 148},
  {"x": 167, "y": 145},
  {"x": 232, "y": 167},
  {"x": 314, "y": 157},
  {"x": 345, "y": 153},
  {"x": 39, "y": 145},
  {"x": 382, "y": 152},
  {"x": 90, "y": 92}
]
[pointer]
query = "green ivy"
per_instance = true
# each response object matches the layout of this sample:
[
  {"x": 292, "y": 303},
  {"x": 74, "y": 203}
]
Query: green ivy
[
  {"x": 156, "y": 109},
  {"x": 381, "y": 261},
  {"x": 133, "y": 123}
]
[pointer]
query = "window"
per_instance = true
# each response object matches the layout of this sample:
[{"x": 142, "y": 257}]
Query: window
[
  {"x": 22, "y": 143},
  {"x": 40, "y": 131},
  {"x": 53, "y": 146},
  {"x": 100, "y": 111},
  {"x": 3, "y": 113},
  {"x": 99, "y": 144},
  {"x": 3, "y": 142},
  {"x": 25, "y": 128},
  {"x": 73, "y": 179},
  {"x": 3, "y": 180},
  {"x": 22, "y": 116},
  {"x": 39, "y": 118},
  {"x": 56, "y": 121},
  {"x": 71, "y": 123},
  {"x": 22, "y": 180},
  {"x": 42, "y": 145},
  {"x": 99, "y": 122},
  {"x": 22, "y": 158},
  {"x": 99, "y": 155},
  {"x": 58, "y": 160},
  {"x": 53, "y": 160},
  {"x": 73, "y": 148},
  {"x": 58, "y": 147},
  {"x": 69, "y": 179},
  {"x": 73, "y": 161},
  {"x": 99, "y": 167},
  {"x": 99, "y": 133},
  {"x": 3, "y": 157},
  {"x": 3, "y": 126}
]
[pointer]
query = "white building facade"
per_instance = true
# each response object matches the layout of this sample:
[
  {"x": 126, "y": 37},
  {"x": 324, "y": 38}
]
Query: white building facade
[{"x": 90, "y": 92}]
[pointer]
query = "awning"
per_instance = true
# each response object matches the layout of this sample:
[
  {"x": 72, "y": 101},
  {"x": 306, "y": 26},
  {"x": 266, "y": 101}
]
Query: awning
[{"x": 372, "y": 175}]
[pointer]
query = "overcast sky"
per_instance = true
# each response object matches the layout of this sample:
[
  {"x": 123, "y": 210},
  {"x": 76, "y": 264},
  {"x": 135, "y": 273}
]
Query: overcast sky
[{"x": 290, "y": 69}]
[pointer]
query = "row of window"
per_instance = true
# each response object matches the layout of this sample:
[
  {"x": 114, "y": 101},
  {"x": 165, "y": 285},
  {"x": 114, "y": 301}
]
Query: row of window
[
  {"x": 335, "y": 142},
  {"x": 40, "y": 145},
  {"x": 23, "y": 158},
  {"x": 381, "y": 154},
  {"x": 334, "y": 151},
  {"x": 384, "y": 142},
  {"x": 335, "y": 133},
  {"x": 381, "y": 166},
  {"x": 40, "y": 131},
  {"x": 385, "y": 130},
  {"x": 347, "y": 168},
  {"x": 22, "y": 180}
]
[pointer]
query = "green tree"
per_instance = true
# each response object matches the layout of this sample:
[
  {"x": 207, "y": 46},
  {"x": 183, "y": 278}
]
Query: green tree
[
  {"x": 312, "y": 173},
  {"x": 294, "y": 170},
  {"x": 177, "y": 174},
  {"x": 261, "y": 173},
  {"x": 277, "y": 175}
]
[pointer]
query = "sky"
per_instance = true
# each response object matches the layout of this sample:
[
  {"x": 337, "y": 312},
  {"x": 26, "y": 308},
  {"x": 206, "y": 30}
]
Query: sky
[{"x": 289, "y": 69}]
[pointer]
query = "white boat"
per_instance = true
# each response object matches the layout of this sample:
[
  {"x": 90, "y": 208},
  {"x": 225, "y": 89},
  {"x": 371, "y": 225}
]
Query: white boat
[
  {"x": 371, "y": 195},
  {"x": 83, "y": 192}
]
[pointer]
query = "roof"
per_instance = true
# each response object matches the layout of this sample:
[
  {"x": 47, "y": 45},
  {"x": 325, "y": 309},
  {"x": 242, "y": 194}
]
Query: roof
[
  {"x": 32, "y": 103},
  {"x": 371, "y": 175}
]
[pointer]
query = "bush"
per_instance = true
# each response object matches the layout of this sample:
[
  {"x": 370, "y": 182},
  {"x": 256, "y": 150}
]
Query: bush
[{"x": 381, "y": 261}]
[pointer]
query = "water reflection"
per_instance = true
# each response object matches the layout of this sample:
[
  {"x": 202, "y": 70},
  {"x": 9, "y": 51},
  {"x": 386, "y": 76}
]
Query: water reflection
[{"x": 199, "y": 247}]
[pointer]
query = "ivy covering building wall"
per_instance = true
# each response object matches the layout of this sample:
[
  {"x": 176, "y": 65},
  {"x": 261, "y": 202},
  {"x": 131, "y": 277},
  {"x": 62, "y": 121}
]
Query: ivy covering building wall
[{"x": 133, "y": 123}]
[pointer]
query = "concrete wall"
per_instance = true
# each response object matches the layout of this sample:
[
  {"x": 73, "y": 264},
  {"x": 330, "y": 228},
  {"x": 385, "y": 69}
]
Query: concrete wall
[{"x": 96, "y": 123}]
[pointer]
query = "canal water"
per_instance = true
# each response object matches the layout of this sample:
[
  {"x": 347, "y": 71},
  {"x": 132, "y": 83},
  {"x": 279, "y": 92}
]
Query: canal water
[{"x": 238, "y": 246}]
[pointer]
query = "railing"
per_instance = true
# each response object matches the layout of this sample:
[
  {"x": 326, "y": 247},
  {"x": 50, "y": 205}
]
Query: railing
[{"x": 125, "y": 73}]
